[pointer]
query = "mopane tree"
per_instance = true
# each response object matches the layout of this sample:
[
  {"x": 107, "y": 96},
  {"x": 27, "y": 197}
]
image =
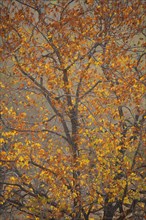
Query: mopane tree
[{"x": 72, "y": 109}]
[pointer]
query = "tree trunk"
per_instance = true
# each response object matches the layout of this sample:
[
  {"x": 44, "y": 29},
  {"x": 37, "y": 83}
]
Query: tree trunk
[
  {"x": 108, "y": 212},
  {"x": 109, "y": 209}
]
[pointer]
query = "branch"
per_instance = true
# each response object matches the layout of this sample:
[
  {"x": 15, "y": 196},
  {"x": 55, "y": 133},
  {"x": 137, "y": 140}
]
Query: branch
[
  {"x": 121, "y": 111},
  {"x": 78, "y": 92},
  {"x": 26, "y": 5},
  {"x": 34, "y": 131},
  {"x": 68, "y": 3},
  {"x": 21, "y": 187},
  {"x": 47, "y": 95},
  {"x": 42, "y": 167},
  {"x": 90, "y": 90},
  {"x": 136, "y": 152},
  {"x": 43, "y": 89},
  {"x": 50, "y": 119},
  {"x": 140, "y": 58}
]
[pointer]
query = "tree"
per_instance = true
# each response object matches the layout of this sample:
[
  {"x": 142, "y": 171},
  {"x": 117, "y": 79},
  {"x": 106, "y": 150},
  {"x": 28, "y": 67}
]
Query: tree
[{"x": 73, "y": 112}]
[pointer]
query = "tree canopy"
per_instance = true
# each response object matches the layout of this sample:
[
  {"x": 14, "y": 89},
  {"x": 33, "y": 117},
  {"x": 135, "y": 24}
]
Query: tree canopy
[{"x": 72, "y": 109}]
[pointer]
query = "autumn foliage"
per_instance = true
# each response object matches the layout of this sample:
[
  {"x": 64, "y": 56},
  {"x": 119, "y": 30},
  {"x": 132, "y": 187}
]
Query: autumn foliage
[{"x": 72, "y": 110}]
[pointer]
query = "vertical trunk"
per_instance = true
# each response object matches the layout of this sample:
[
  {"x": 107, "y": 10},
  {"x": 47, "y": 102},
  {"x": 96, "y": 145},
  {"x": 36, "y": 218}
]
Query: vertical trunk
[
  {"x": 2, "y": 179},
  {"x": 109, "y": 209},
  {"x": 108, "y": 212},
  {"x": 76, "y": 174},
  {"x": 73, "y": 115}
]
